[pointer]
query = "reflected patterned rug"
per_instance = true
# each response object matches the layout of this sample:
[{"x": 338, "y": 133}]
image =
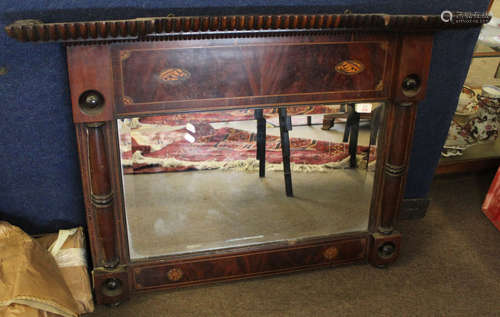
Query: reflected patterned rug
[
  {"x": 235, "y": 115},
  {"x": 157, "y": 148}
]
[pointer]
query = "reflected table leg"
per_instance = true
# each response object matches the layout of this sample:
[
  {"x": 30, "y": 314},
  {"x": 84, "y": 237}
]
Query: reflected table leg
[
  {"x": 285, "y": 126},
  {"x": 374, "y": 127},
  {"x": 261, "y": 141},
  {"x": 328, "y": 122},
  {"x": 351, "y": 133}
]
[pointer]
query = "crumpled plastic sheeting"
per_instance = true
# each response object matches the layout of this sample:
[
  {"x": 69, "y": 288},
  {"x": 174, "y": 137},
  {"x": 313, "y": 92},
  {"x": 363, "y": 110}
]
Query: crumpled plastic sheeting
[
  {"x": 17, "y": 310},
  {"x": 30, "y": 279}
]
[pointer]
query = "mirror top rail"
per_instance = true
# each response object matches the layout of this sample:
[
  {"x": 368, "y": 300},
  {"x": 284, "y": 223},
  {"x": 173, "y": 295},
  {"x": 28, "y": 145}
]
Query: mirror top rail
[{"x": 150, "y": 28}]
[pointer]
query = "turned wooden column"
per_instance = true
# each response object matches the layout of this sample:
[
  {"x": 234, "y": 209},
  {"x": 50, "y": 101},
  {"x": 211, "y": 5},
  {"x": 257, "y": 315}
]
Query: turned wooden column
[
  {"x": 395, "y": 167},
  {"x": 92, "y": 100},
  {"x": 101, "y": 194},
  {"x": 408, "y": 88}
]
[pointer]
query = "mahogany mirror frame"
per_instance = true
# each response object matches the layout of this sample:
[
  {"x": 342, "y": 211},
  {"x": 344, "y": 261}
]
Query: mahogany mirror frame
[{"x": 398, "y": 76}]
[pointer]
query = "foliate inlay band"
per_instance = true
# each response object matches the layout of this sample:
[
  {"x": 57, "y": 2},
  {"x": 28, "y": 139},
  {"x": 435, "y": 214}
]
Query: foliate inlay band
[{"x": 394, "y": 170}]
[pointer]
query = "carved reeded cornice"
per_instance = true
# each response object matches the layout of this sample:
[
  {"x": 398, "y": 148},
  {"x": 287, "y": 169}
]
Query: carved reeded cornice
[{"x": 148, "y": 28}]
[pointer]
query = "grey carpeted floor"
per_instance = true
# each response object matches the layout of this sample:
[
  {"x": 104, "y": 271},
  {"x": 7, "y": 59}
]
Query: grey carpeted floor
[
  {"x": 449, "y": 266},
  {"x": 216, "y": 209}
]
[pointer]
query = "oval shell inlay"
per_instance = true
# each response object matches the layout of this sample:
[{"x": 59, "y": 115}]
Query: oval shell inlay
[
  {"x": 330, "y": 253},
  {"x": 124, "y": 55},
  {"x": 174, "y": 76},
  {"x": 174, "y": 274},
  {"x": 349, "y": 67},
  {"x": 127, "y": 100}
]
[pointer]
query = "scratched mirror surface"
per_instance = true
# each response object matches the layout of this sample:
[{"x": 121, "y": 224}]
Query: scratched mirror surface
[{"x": 203, "y": 181}]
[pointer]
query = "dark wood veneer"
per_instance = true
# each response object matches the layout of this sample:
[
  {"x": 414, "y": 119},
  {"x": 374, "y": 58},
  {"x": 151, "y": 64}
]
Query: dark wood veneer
[
  {"x": 230, "y": 73},
  {"x": 245, "y": 71},
  {"x": 247, "y": 264},
  {"x": 226, "y": 62}
]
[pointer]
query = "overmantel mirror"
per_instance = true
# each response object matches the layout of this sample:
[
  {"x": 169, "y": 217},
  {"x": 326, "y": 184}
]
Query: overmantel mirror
[{"x": 225, "y": 147}]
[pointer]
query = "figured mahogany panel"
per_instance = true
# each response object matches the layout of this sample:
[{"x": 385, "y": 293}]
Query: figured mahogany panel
[
  {"x": 237, "y": 73},
  {"x": 168, "y": 274}
]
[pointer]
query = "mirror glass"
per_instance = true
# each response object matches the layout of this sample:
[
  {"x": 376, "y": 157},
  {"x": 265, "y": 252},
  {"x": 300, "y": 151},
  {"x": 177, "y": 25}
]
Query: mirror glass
[{"x": 209, "y": 180}]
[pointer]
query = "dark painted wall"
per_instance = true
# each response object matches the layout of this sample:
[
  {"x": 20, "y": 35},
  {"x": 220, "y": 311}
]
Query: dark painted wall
[{"x": 39, "y": 175}]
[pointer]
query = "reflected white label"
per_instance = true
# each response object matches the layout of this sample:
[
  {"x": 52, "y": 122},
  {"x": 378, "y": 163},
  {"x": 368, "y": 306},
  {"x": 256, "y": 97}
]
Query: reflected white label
[
  {"x": 190, "y": 128},
  {"x": 189, "y": 138},
  {"x": 363, "y": 107}
]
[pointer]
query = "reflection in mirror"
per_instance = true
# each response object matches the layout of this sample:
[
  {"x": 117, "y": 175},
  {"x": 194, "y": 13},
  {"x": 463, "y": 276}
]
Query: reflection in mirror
[{"x": 209, "y": 180}]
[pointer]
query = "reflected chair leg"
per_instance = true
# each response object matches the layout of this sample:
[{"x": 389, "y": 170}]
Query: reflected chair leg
[
  {"x": 309, "y": 120},
  {"x": 374, "y": 127},
  {"x": 285, "y": 126},
  {"x": 353, "y": 140},
  {"x": 347, "y": 129},
  {"x": 351, "y": 133},
  {"x": 328, "y": 122},
  {"x": 261, "y": 141}
]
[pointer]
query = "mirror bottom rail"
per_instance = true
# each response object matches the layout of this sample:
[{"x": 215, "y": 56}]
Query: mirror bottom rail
[{"x": 114, "y": 286}]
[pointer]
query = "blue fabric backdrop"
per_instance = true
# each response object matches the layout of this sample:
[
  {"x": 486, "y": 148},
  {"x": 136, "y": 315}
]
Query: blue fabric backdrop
[{"x": 40, "y": 186}]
